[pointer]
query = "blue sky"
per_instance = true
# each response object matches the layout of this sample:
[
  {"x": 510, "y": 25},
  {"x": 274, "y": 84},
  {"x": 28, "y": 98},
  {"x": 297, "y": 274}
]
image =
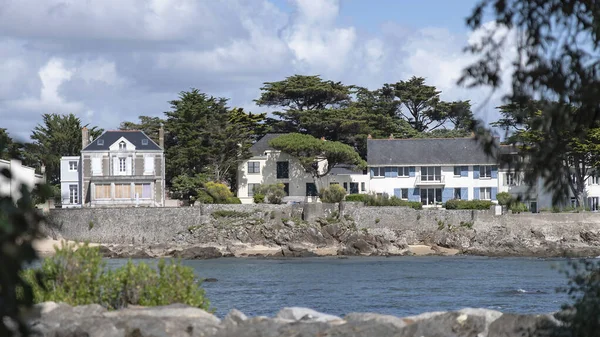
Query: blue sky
[{"x": 113, "y": 60}]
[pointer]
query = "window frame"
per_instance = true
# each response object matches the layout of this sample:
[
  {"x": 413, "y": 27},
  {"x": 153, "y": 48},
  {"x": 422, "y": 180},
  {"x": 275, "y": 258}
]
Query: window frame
[
  {"x": 428, "y": 176},
  {"x": 76, "y": 165},
  {"x": 251, "y": 188},
  {"x": 122, "y": 145},
  {"x": 459, "y": 171},
  {"x": 403, "y": 171},
  {"x": 253, "y": 167},
  {"x": 122, "y": 165},
  {"x": 402, "y": 190},
  {"x": 73, "y": 197},
  {"x": 287, "y": 172},
  {"x": 459, "y": 194},
  {"x": 483, "y": 170},
  {"x": 485, "y": 192},
  {"x": 378, "y": 172},
  {"x": 144, "y": 141}
]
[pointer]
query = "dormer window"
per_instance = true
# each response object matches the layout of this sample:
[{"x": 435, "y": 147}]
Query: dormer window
[
  {"x": 122, "y": 145},
  {"x": 100, "y": 141},
  {"x": 144, "y": 141}
]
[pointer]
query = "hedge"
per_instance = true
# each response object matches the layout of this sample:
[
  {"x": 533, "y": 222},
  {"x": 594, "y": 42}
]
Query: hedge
[{"x": 468, "y": 204}]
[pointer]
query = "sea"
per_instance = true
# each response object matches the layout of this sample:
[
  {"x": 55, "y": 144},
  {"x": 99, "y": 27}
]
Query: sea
[{"x": 399, "y": 286}]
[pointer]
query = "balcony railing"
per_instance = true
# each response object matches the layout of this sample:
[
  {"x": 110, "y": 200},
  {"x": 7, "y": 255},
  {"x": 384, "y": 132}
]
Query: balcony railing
[{"x": 430, "y": 180}]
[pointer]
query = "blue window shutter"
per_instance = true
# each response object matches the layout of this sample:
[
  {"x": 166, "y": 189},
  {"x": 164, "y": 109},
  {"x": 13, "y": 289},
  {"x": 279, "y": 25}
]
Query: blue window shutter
[
  {"x": 397, "y": 193},
  {"x": 388, "y": 172},
  {"x": 414, "y": 194},
  {"x": 494, "y": 192},
  {"x": 494, "y": 173},
  {"x": 372, "y": 172},
  {"x": 411, "y": 171},
  {"x": 476, "y": 172},
  {"x": 464, "y": 193},
  {"x": 464, "y": 171},
  {"x": 475, "y": 193},
  {"x": 394, "y": 172},
  {"x": 447, "y": 194}
]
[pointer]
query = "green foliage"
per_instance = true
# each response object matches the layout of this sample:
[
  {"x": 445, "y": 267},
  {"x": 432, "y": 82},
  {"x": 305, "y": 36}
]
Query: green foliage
[
  {"x": 258, "y": 198},
  {"x": 332, "y": 194},
  {"x": 384, "y": 200},
  {"x": 273, "y": 192},
  {"x": 504, "y": 198},
  {"x": 230, "y": 214},
  {"x": 310, "y": 151},
  {"x": 190, "y": 188},
  {"x": 80, "y": 276},
  {"x": 468, "y": 204},
  {"x": 467, "y": 224},
  {"x": 19, "y": 225},
  {"x": 356, "y": 197},
  {"x": 441, "y": 224},
  {"x": 377, "y": 220},
  {"x": 149, "y": 125},
  {"x": 220, "y": 193},
  {"x": 518, "y": 207},
  {"x": 91, "y": 225}
]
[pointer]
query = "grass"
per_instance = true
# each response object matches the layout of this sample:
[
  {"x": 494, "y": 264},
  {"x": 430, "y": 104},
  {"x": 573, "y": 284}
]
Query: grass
[{"x": 230, "y": 214}]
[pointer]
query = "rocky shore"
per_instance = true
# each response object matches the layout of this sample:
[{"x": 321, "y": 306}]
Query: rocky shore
[{"x": 61, "y": 320}]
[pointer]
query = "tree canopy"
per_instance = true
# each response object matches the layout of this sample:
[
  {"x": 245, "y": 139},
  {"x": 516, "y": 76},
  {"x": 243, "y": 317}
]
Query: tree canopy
[{"x": 149, "y": 125}]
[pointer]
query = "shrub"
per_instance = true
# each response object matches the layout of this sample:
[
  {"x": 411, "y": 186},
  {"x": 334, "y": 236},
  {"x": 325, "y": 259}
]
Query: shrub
[
  {"x": 259, "y": 198},
  {"x": 356, "y": 197},
  {"x": 273, "y": 192},
  {"x": 504, "y": 198},
  {"x": 220, "y": 193},
  {"x": 384, "y": 200},
  {"x": 233, "y": 200},
  {"x": 518, "y": 207},
  {"x": 468, "y": 204},
  {"x": 79, "y": 276},
  {"x": 332, "y": 194}
]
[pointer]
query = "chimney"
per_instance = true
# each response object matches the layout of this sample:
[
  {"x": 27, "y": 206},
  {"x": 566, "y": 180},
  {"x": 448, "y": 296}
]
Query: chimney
[
  {"x": 85, "y": 137},
  {"x": 161, "y": 137},
  {"x": 369, "y": 136}
]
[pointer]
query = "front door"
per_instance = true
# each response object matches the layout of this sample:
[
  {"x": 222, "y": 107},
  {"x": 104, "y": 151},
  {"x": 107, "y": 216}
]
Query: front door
[
  {"x": 353, "y": 188},
  {"x": 533, "y": 206}
]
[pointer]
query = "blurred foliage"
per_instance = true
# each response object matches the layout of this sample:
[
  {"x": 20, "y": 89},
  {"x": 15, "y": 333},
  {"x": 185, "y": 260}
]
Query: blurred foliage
[{"x": 332, "y": 194}]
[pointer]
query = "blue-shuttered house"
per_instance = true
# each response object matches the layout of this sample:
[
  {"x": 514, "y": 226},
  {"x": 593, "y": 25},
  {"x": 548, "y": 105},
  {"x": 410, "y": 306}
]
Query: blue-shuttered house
[{"x": 431, "y": 171}]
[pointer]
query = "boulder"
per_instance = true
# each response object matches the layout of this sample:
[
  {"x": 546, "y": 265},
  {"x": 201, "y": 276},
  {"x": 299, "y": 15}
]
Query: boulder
[
  {"x": 197, "y": 252},
  {"x": 234, "y": 317},
  {"x": 306, "y": 315}
]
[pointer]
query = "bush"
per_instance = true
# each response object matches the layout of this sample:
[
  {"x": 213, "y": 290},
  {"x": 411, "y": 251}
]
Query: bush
[
  {"x": 518, "y": 207},
  {"x": 504, "y": 198},
  {"x": 79, "y": 276},
  {"x": 384, "y": 200},
  {"x": 332, "y": 194},
  {"x": 468, "y": 204},
  {"x": 274, "y": 192},
  {"x": 356, "y": 197},
  {"x": 233, "y": 200},
  {"x": 259, "y": 198},
  {"x": 220, "y": 193}
]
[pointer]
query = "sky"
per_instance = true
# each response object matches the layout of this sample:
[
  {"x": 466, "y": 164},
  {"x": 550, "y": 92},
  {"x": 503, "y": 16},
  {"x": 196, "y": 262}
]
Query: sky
[{"x": 113, "y": 60}]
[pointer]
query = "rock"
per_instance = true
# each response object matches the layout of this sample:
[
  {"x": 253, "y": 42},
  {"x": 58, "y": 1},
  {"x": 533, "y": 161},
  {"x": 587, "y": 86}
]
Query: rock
[
  {"x": 289, "y": 223},
  {"x": 210, "y": 279},
  {"x": 521, "y": 325},
  {"x": 297, "y": 251},
  {"x": 106, "y": 251},
  {"x": 167, "y": 311},
  {"x": 197, "y": 252},
  {"x": 372, "y": 317},
  {"x": 305, "y": 314},
  {"x": 234, "y": 317}
]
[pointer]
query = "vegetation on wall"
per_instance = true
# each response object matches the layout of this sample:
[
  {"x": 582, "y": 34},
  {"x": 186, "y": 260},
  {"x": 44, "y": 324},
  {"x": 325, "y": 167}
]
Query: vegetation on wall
[{"x": 332, "y": 194}]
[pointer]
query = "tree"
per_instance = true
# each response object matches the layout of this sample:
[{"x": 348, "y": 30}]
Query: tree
[
  {"x": 204, "y": 136},
  {"x": 311, "y": 151},
  {"x": 57, "y": 136},
  {"x": 459, "y": 114},
  {"x": 149, "y": 125},
  {"x": 556, "y": 44},
  {"x": 424, "y": 109},
  {"x": 11, "y": 149}
]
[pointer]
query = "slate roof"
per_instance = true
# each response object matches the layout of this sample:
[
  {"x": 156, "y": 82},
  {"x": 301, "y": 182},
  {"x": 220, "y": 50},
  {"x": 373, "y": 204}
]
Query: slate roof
[
  {"x": 425, "y": 151},
  {"x": 344, "y": 170},
  {"x": 133, "y": 136},
  {"x": 262, "y": 145}
]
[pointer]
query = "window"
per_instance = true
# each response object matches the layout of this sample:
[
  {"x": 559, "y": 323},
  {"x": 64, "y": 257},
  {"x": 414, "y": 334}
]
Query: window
[
  {"x": 122, "y": 145},
  {"x": 404, "y": 193},
  {"x": 430, "y": 196},
  {"x": 485, "y": 193},
  {"x": 283, "y": 170},
  {"x": 457, "y": 170},
  {"x": 73, "y": 194},
  {"x": 311, "y": 190},
  {"x": 73, "y": 166},
  {"x": 594, "y": 180},
  {"x": 122, "y": 165},
  {"x": 143, "y": 191},
  {"x": 353, "y": 188},
  {"x": 378, "y": 171},
  {"x": 102, "y": 191},
  {"x": 286, "y": 188},
  {"x": 457, "y": 194},
  {"x": 346, "y": 186},
  {"x": 509, "y": 179},
  {"x": 485, "y": 171},
  {"x": 252, "y": 188},
  {"x": 330, "y": 184},
  {"x": 254, "y": 167},
  {"x": 403, "y": 171},
  {"x": 363, "y": 187},
  {"x": 100, "y": 142},
  {"x": 122, "y": 191},
  {"x": 431, "y": 173},
  {"x": 144, "y": 141}
]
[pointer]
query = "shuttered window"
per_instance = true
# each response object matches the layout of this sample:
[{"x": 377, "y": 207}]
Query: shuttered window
[
  {"x": 102, "y": 191},
  {"x": 122, "y": 191}
]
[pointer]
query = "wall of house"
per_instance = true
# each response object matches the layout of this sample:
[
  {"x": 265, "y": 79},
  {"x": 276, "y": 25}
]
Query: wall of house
[
  {"x": 68, "y": 178},
  {"x": 20, "y": 175},
  {"x": 468, "y": 181},
  {"x": 363, "y": 180}
]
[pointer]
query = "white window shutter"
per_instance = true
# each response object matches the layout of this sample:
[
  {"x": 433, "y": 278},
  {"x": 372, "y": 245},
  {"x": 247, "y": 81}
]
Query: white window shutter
[
  {"x": 149, "y": 165},
  {"x": 115, "y": 165},
  {"x": 96, "y": 166},
  {"x": 128, "y": 166}
]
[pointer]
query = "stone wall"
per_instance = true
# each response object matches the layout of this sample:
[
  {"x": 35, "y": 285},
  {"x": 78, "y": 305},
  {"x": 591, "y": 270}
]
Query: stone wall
[{"x": 159, "y": 225}]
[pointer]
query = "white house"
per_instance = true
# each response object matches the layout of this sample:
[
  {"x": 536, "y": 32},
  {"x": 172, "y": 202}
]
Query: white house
[
  {"x": 20, "y": 175},
  {"x": 70, "y": 181},
  {"x": 270, "y": 166},
  {"x": 431, "y": 170}
]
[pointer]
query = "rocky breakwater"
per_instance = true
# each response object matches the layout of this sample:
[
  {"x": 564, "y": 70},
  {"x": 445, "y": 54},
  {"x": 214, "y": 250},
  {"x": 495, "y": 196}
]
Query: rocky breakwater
[
  {"x": 61, "y": 320},
  {"x": 265, "y": 234}
]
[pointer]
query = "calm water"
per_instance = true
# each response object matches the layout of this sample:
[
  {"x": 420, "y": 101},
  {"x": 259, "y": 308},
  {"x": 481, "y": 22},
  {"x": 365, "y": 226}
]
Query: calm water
[{"x": 399, "y": 285}]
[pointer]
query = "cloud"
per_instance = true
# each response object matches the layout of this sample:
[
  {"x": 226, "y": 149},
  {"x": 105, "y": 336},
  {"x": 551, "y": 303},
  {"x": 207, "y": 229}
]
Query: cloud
[{"x": 110, "y": 61}]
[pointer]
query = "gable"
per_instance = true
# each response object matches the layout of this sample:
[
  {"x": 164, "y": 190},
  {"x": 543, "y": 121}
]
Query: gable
[{"x": 116, "y": 146}]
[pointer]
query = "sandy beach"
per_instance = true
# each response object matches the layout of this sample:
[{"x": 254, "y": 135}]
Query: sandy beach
[{"x": 45, "y": 247}]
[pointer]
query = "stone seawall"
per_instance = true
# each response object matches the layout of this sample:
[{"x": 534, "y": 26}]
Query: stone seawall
[{"x": 335, "y": 228}]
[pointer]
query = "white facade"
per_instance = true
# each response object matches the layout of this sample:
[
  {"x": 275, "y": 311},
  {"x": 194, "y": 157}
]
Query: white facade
[
  {"x": 20, "y": 175},
  {"x": 70, "y": 181},
  {"x": 276, "y": 167},
  {"x": 436, "y": 184}
]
